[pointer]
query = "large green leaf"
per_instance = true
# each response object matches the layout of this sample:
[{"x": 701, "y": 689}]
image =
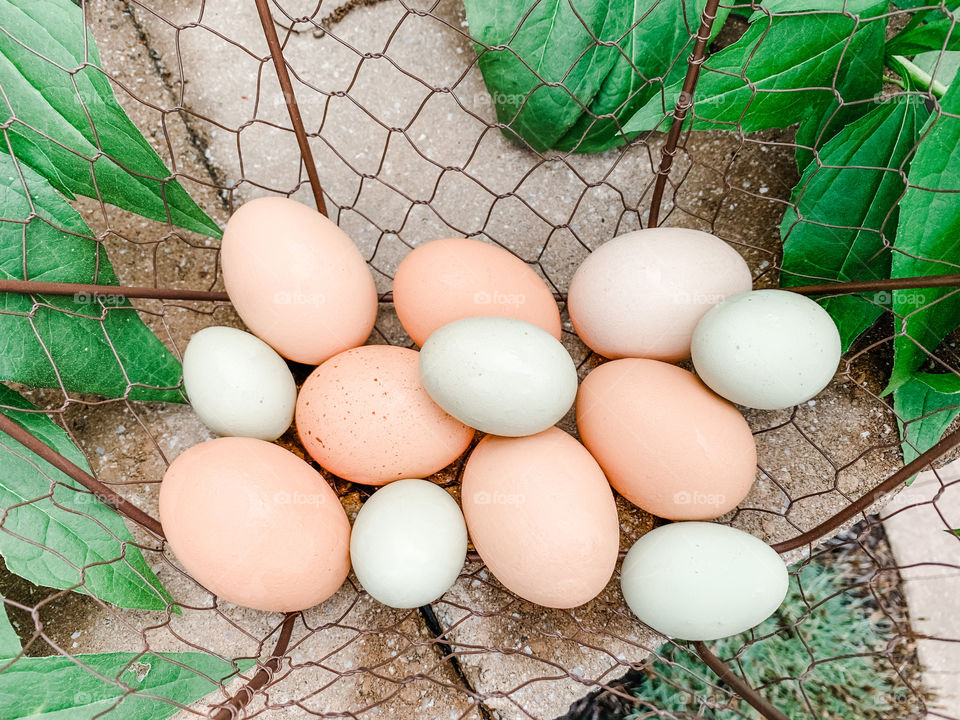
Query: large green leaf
[
  {"x": 925, "y": 406},
  {"x": 843, "y": 216},
  {"x": 57, "y": 534},
  {"x": 653, "y": 55},
  {"x": 941, "y": 66},
  {"x": 86, "y": 344},
  {"x": 775, "y": 74},
  {"x": 63, "y": 119},
  {"x": 928, "y": 242},
  {"x": 933, "y": 31},
  {"x": 111, "y": 686},
  {"x": 524, "y": 46},
  {"x": 9, "y": 640}
]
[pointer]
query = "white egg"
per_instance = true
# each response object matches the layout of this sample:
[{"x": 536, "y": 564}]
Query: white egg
[
  {"x": 408, "y": 544},
  {"x": 237, "y": 384},
  {"x": 499, "y": 375},
  {"x": 766, "y": 349},
  {"x": 702, "y": 581}
]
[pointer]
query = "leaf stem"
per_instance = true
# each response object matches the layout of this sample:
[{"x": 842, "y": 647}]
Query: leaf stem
[{"x": 921, "y": 78}]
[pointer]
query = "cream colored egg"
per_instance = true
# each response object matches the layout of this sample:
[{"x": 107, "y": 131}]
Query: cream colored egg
[
  {"x": 296, "y": 279},
  {"x": 767, "y": 349},
  {"x": 642, "y": 293},
  {"x": 408, "y": 543},
  {"x": 255, "y": 525},
  {"x": 702, "y": 581},
  {"x": 237, "y": 384},
  {"x": 542, "y": 517}
]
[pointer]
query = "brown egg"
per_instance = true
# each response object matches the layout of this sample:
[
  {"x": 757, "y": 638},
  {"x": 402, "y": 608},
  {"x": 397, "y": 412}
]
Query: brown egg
[
  {"x": 666, "y": 442},
  {"x": 542, "y": 517},
  {"x": 296, "y": 279},
  {"x": 255, "y": 524},
  {"x": 447, "y": 280},
  {"x": 365, "y": 416}
]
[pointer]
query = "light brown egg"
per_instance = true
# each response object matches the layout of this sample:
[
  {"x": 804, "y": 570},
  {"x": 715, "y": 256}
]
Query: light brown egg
[
  {"x": 447, "y": 280},
  {"x": 542, "y": 517},
  {"x": 365, "y": 416},
  {"x": 255, "y": 524},
  {"x": 666, "y": 442},
  {"x": 296, "y": 279}
]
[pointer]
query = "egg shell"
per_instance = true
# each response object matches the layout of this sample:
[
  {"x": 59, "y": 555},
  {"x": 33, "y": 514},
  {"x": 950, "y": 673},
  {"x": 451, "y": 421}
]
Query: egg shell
[
  {"x": 237, "y": 384},
  {"x": 542, "y": 517},
  {"x": 666, "y": 442},
  {"x": 767, "y": 349},
  {"x": 446, "y": 280},
  {"x": 499, "y": 375},
  {"x": 365, "y": 416},
  {"x": 702, "y": 581},
  {"x": 296, "y": 279},
  {"x": 255, "y": 524},
  {"x": 408, "y": 544},
  {"x": 642, "y": 293}
]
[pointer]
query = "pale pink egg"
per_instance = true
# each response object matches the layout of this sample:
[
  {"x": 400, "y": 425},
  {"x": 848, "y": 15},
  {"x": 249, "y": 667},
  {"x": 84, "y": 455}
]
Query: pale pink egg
[
  {"x": 365, "y": 416},
  {"x": 542, "y": 517},
  {"x": 255, "y": 524},
  {"x": 296, "y": 279},
  {"x": 446, "y": 280},
  {"x": 667, "y": 442}
]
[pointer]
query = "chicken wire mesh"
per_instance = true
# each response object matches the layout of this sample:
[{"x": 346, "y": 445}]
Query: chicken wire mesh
[{"x": 408, "y": 147}]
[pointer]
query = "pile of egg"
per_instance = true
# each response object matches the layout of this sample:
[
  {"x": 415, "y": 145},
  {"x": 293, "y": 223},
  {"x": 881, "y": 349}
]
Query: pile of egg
[{"x": 536, "y": 503}]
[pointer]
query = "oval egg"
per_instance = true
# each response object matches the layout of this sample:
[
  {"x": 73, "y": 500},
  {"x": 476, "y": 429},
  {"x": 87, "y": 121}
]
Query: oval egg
[
  {"x": 666, "y": 442},
  {"x": 237, "y": 384},
  {"x": 702, "y": 581},
  {"x": 255, "y": 525},
  {"x": 499, "y": 375},
  {"x": 296, "y": 279},
  {"x": 446, "y": 280},
  {"x": 408, "y": 543},
  {"x": 542, "y": 517},
  {"x": 365, "y": 416},
  {"x": 767, "y": 349},
  {"x": 642, "y": 293}
]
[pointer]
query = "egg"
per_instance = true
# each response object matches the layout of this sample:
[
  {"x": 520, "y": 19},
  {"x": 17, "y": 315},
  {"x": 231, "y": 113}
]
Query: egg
[
  {"x": 296, "y": 279},
  {"x": 255, "y": 525},
  {"x": 499, "y": 375},
  {"x": 237, "y": 384},
  {"x": 365, "y": 416},
  {"x": 666, "y": 442},
  {"x": 542, "y": 517},
  {"x": 447, "y": 280},
  {"x": 767, "y": 349},
  {"x": 408, "y": 544},
  {"x": 642, "y": 293},
  {"x": 702, "y": 581}
]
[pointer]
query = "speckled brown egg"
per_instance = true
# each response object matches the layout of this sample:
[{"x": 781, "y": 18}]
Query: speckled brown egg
[
  {"x": 365, "y": 416},
  {"x": 255, "y": 524}
]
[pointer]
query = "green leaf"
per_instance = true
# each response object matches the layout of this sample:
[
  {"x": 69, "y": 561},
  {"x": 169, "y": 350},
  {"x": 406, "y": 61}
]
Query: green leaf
[
  {"x": 928, "y": 242},
  {"x": 89, "y": 345},
  {"x": 55, "y": 533},
  {"x": 653, "y": 54},
  {"x": 776, "y": 73},
  {"x": 942, "y": 66},
  {"x": 844, "y": 210},
  {"x": 141, "y": 686},
  {"x": 925, "y": 406},
  {"x": 937, "y": 32},
  {"x": 9, "y": 640},
  {"x": 524, "y": 46},
  {"x": 64, "y": 121}
]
